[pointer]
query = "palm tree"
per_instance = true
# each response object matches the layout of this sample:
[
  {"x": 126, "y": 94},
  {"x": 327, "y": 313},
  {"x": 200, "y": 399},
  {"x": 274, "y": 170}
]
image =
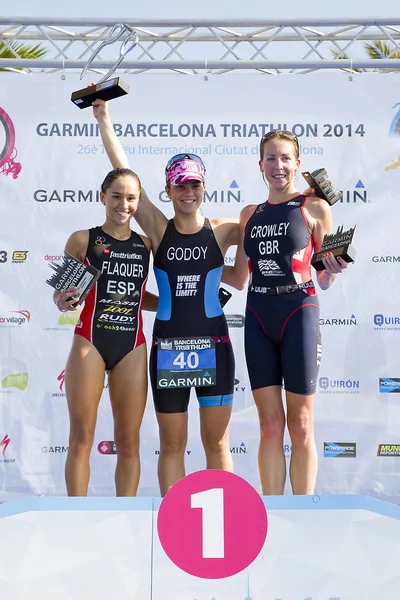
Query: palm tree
[
  {"x": 378, "y": 50},
  {"x": 19, "y": 50},
  {"x": 336, "y": 53}
]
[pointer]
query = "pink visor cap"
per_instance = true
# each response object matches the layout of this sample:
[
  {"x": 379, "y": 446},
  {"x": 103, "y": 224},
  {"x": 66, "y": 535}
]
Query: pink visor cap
[{"x": 185, "y": 170}]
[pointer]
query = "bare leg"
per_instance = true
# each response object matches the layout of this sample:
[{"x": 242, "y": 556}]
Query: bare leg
[
  {"x": 271, "y": 456},
  {"x": 214, "y": 427},
  {"x": 304, "y": 461},
  {"x": 173, "y": 440},
  {"x": 128, "y": 391},
  {"x": 84, "y": 380}
]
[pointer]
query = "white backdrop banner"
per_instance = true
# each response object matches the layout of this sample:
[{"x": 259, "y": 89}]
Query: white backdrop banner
[{"x": 52, "y": 163}]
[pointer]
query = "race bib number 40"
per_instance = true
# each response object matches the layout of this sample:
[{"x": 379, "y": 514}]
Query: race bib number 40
[{"x": 186, "y": 362}]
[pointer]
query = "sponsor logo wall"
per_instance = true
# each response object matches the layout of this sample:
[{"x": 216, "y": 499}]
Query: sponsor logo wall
[{"x": 52, "y": 163}]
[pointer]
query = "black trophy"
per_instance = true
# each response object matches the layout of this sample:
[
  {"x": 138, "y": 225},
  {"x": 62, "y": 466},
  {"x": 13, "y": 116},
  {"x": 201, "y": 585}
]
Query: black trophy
[
  {"x": 323, "y": 186},
  {"x": 339, "y": 244},
  {"x": 107, "y": 89},
  {"x": 72, "y": 273}
]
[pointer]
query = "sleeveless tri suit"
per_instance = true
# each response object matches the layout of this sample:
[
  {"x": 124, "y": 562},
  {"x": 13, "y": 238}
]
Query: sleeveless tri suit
[
  {"x": 282, "y": 334},
  {"x": 111, "y": 318},
  {"x": 188, "y": 270}
]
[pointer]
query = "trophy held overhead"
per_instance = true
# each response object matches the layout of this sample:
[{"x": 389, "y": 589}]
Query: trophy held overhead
[{"x": 107, "y": 89}]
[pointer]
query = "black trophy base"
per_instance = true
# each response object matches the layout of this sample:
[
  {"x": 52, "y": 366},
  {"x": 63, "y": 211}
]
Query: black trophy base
[
  {"x": 346, "y": 252},
  {"x": 108, "y": 90}
]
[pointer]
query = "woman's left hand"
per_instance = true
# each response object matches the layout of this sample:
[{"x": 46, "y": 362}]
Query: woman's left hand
[{"x": 333, "y": 265}]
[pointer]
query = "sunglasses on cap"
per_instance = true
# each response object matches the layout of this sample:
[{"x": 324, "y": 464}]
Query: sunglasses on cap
[
  {"x": 274, "y": 134},
  {"x": 183, "y": 156}
]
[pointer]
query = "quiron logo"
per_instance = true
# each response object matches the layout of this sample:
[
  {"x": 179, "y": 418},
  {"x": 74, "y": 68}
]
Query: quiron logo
[
  {"x": 8, "y": 152},
  {"x": 338, "y": 386},
  {"x": 386, "y": 323}
]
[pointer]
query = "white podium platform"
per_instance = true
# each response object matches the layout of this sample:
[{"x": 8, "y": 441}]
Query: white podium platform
[{"x": 317, "y": 548}]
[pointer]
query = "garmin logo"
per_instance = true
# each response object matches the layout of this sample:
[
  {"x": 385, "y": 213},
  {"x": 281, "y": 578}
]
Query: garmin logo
[
  {"x": 62, "y": 196},
  {"x": 356, "y": 195},
  {"x": 176, "y": 130},
  {"x": 386, "y": 259},
  {"x": 339, "y": 322},
  {"x": 224, "y": 196},
  {"x": 137, "y": 130}
]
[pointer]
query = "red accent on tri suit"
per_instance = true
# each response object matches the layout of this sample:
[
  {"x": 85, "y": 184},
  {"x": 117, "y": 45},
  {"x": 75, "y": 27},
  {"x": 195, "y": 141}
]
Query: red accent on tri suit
[
  {"x": 111, "y": 318},
  {"x": 282, "y": 333},
  {"x": 279, "y": 241}
]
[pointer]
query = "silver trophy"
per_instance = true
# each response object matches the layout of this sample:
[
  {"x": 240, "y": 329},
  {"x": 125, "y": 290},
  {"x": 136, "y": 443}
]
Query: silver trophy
[{"x": 107, "y": 89}]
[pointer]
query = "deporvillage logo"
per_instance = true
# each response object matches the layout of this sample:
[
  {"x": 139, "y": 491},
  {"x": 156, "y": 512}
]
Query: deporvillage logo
[
  {"x": 8, "y": 151},
  {"x": 221, "y": 196},
  {"x": 15, "y": 318}
]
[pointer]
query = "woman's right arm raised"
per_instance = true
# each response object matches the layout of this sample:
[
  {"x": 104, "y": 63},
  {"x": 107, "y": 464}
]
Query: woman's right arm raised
[{"x": 149, "y": 217}]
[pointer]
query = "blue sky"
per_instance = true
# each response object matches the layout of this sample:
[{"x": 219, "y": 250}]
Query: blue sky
[{"x": 204, "y": 8}]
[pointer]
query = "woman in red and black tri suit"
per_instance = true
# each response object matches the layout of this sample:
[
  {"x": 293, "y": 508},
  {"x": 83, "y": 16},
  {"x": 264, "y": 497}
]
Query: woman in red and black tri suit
[
  {"x": 282, "y": 335},
  {"x": 109, "y": 336}
]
